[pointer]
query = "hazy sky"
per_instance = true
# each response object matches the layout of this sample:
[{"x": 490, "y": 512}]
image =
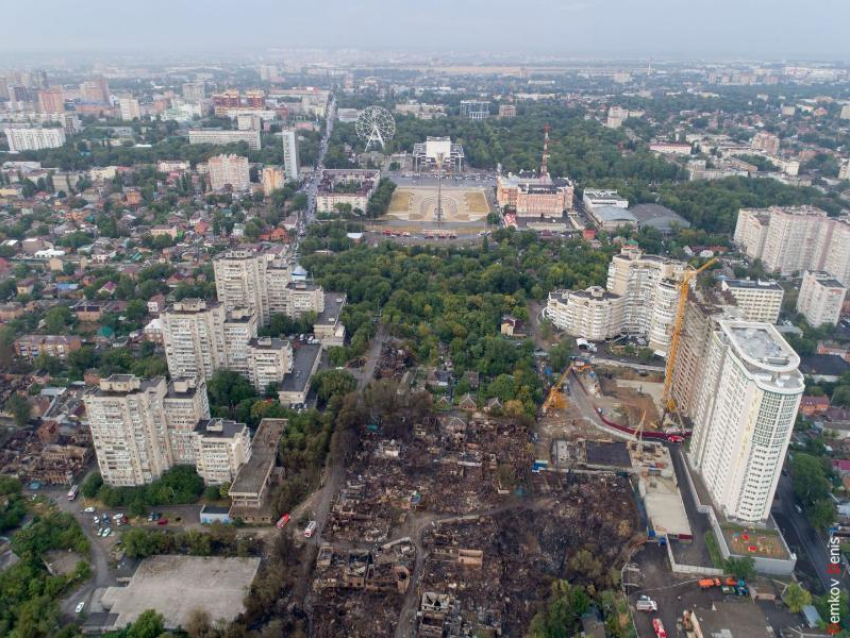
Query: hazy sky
[{"x": 715, "y": 28}]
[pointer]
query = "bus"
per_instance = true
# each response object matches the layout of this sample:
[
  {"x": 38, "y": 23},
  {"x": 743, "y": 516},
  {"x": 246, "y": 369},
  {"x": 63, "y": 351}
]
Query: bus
[
  {"x": 72, "y": 493},
  {"x": 310, "y": 529},
  {"x": 283, "y": 521}
]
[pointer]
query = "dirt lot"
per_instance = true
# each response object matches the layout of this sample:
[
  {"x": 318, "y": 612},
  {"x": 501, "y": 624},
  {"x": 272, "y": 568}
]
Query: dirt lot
[{"x": 631, "y": 402}]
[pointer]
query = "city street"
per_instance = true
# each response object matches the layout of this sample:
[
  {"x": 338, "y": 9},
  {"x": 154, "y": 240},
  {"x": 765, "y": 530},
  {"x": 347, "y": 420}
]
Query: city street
[{"x": 802, "y": 536}]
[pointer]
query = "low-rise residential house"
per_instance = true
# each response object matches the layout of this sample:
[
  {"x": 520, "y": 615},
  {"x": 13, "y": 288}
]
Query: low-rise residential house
[{"x": 59, "y": 346}]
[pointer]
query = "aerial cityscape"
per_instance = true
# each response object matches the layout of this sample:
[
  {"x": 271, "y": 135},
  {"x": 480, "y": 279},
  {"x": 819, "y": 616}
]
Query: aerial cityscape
[{"x": 459, "y": 320}]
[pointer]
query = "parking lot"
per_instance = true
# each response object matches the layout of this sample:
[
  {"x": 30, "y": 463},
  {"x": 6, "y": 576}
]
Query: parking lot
[{"x": 674, "y": 593}]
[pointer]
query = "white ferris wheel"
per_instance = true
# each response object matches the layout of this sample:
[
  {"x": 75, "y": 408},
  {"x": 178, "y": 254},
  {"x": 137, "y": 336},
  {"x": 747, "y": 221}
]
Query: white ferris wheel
[{"x": 375, "y": 126}]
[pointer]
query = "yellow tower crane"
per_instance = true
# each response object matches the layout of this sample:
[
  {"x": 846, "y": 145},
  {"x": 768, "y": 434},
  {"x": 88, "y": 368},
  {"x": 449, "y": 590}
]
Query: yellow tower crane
[
  {"x": 556, "y": 397},
  {"x": 684, "y": 289}
]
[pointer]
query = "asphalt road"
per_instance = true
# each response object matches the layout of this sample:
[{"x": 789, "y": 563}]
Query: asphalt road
[
  {"x": 99, "y": 558},
  {"x": 802, "y": 533}
]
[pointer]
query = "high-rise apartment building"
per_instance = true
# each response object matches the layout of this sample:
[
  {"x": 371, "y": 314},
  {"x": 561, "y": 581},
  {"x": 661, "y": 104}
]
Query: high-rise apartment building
[
  {"x": 641, "y": 298},
  {"x": 748, "y": 398},
  {"x": 221, "y": 448},
  {"x": 229, "y": 170},
  {"x": 644, "y": 282},
  {"x": 759, "y": 300},
  {"x": 821, "y": 298},
  {"x": 193, "y": 335},
  {"x": 255, "y": 99},
  {"x": 194, "y": 91},
  {"x": 201, "y": 337},
  {"x": 141, "y": 428},
  {"x": 129, "y": 431},
  {"x": 223, "y": 102},
  {"x": 269, "y": 359},
  {"x": 290, "y": 154},
  {"x": 767, "y": 142},
  {"x": 186, "y": 402},
  {"x": 34, "y": 139},
  {"x": 266, "y": 283},
  {"x": 793, "y": 239},
  {"x": 239, "y": 328},
  {"x": 51, "y": 100},
  {"x": 240, "y": 282},
  {"x": 594, "y": 314},
  {"x": 272, "y": 179},
  {"x": 96, "y": 91},
  {"x": 129, "y": 109}
]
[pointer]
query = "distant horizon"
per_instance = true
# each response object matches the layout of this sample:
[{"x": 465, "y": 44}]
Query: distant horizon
[
  {"x": 757, "y": 30},
  {"x": 280, "y": 55}
]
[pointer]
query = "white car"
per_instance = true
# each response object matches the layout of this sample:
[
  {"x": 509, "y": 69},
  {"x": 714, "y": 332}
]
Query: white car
[
  {"x": 80, "y": 607},
  {"x": 89, "y": 510}
]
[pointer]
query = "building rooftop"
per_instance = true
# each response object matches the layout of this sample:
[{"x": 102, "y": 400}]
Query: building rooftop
[
  {"x": 658, "y": 216},
  {"x": 823, "y": 364},
  {"x": 183, "y": 388},
  {"x": 264, "y": 446},
  {"x": 608, "y": 214},
  {"x": 825, "y": 279},
  {"x": 268, "y": 343},
  {"x": 219, "y": 428},
  {"x": 334, "y": 303},
  {"x": 191, "y": 306},
  {"x": 123, "y": 384},
  {"x": 303, "y": 360},
  {"x": 750, "y": 284},
  {"x": 761, "y": 346}
]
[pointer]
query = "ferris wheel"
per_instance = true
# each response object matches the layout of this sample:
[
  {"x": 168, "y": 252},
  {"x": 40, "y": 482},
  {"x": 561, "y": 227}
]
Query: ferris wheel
[{"x": 375, "y": 125}]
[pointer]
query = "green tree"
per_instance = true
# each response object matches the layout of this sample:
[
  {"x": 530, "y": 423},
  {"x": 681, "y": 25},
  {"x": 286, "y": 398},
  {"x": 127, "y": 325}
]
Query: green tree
[
  {"x": 149, "y": 624},
  {"x": 7, "y": 346},
  {"x": 91, "y": 485},
  {"x": 809, "y": 479},
  {"x": 841, "y": 395},
  {"x": 331, "y": 383},
  {"x": 19, "y": 408},
  {"x": 821, "y": 514},
  {"x": 796, "y": 598},
  {"x": 743, "y": 567},
  {"x": 226, "y": 389},
  {"x": 57, "y": 320}
]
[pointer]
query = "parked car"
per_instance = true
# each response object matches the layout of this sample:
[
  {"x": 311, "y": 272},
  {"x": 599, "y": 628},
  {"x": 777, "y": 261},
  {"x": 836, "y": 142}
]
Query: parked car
[
  {"x": 162, "y": 521},
  {"x": 89, "y": 510},
  {"x": 80, "y": 607}
]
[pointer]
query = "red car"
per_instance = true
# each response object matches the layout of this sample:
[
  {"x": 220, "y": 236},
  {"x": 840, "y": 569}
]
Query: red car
[
  {"x": 162, "y": 521},
  {"x": 283, "y": 521}
]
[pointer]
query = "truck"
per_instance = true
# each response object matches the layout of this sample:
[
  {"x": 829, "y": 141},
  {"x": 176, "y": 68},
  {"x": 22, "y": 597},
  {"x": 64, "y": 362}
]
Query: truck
[
  {"x": 735, "y": 582},
  {"x": 72, "y": 493},
  {"x": 708, "y": 583},
  {"x": 658, "y": 627}
]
